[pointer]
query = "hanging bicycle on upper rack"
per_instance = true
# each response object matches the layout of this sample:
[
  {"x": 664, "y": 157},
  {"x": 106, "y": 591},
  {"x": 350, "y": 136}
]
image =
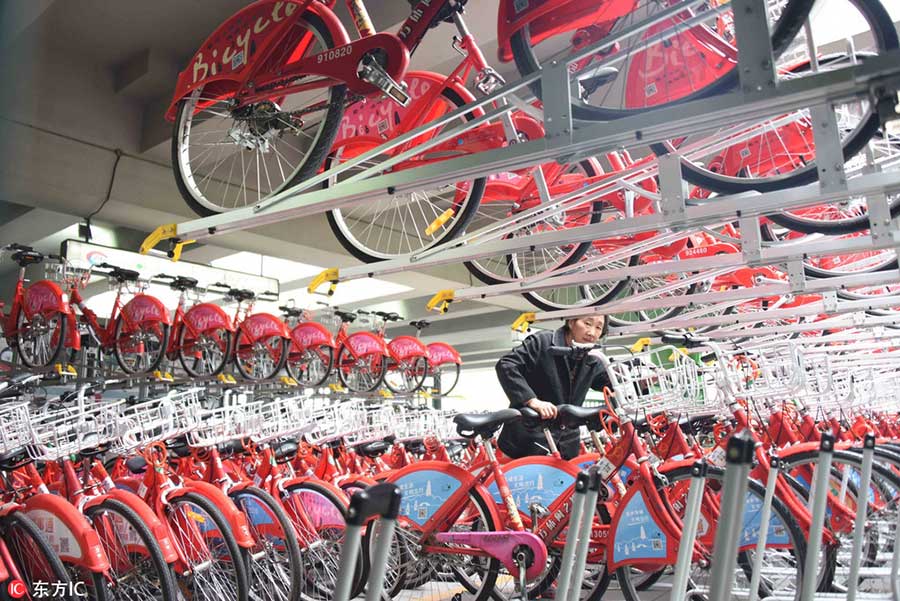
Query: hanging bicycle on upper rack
[{"x": 259, "y": 108}]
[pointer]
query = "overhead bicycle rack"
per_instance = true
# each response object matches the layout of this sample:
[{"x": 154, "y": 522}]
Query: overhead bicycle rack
[{"x": 759, "y": 96}]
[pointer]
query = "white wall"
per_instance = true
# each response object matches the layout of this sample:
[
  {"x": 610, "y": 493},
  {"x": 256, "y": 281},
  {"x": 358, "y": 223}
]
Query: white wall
[{"x": 477, "y": 390}]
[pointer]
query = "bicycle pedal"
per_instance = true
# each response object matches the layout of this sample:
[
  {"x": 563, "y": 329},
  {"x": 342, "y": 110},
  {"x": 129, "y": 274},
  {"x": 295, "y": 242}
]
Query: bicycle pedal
[
  {"x": 373, "y": 73},
  {"x": 288, "y": 381}
]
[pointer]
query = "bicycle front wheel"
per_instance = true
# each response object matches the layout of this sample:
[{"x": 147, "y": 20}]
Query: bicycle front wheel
[
  {"x": 139, "y": 570},
  {"x": 276, "y": 570},
  {"x": 214, "y": 565},
  {"x": 33, "y": 558}
]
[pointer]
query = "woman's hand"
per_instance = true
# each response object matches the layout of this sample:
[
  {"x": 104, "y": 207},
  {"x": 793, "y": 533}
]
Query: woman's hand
[{"x": 545, "y": 410}]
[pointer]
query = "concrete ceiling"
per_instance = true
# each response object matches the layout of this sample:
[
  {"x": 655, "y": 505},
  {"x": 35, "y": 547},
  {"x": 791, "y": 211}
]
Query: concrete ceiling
[{"x": 82, "y": 132}]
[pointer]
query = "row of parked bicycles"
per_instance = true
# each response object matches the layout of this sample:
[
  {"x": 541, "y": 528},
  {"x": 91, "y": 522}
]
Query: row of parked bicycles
[
  {"x": 245, "y": 495},
  {"x": 281, "y": 117},
  {"x": 48, "y": 322}
]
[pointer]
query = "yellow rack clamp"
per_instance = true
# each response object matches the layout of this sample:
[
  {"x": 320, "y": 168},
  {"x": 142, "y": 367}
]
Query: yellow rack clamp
[
  {"x": 288, "y": 381},
  {"x": 440, "y": 221},
  {"x": 328, "y": 275},
  {"x": 523, "y": 322},
  {"x": 179, "y": 247},
  {"x": 640, "y": 345},
  {"x": 163, "y": 232},
  {"x": 441, "y": 301}
]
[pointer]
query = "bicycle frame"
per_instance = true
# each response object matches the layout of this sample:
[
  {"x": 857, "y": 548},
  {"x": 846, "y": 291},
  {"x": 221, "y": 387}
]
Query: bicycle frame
[{"x": 42, "y": 297}]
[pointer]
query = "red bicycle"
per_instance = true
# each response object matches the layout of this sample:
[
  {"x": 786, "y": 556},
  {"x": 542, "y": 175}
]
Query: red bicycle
[
  {"x": 259, "y": 107},
  {"x": 40, "y": 321},
  {"x": 136, "y": 331}
]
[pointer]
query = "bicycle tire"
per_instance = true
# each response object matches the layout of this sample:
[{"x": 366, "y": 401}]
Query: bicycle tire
[
  {"x": 190, "y": 364},
  {"x": 885, "y": 36},
  {"x": 16, "y": 521},
  {"x": 779, "y": 510},
  {"x": 154, "y": 364},
  {"x": 294, "y": 370},
  {"x": 596, "y": 215},
  {"x": 852, "y": 457},
  {"x": 237, "y": 565},
  {"x": 167, "y": 589},
  {"x": 344, "y": 376},
  {"x": 314, "y": 157},
  {"x": 276, "y": 366},
  {"x": 460, "y": 222},
  {"x": 311, "y": 494},
  {"x": 784, "y": 30},
  {"x": 287, "y": 537},
  {"x": 55, "y": 350},
  {"x": 420, "y": 365},
  {"x": 545, "y": 304},
  {"x": 492, "y": 565}
]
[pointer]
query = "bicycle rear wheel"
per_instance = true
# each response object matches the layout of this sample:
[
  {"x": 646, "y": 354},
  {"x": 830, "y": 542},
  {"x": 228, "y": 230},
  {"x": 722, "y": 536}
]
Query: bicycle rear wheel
[
  {"x": 361, "y": 374},
  {"x": 784, "y": 555},
  {"x": 140, "y": 351},
  {"x": 227, "y": 158},
  {"x": 215, "y": 567},
  {"x": 40, "y": 339},
  {"x": 205, "y": 354},
  {"x": 312, "y": 366}
]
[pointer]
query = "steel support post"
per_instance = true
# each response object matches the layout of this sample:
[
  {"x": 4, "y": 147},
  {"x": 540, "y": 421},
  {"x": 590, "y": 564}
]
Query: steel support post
[
  {"x": 754, "y": 41},
  {"x": 819, "y": 495},
  {"x": 584, "y": 533},
  {"x": 378, "y": 565},
  {"x": 739, "y": 460},
  {"x": 859, "y": 527},
  {"x": 568, "y": 556},
  {"x": 895, "y": 568},
  {"x": 689, "y": 534},
  {"x": 755, "y": 576},
  {"x": 349, "y": 555}
]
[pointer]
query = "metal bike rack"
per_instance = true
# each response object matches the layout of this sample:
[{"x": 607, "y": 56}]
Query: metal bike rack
[
  {"x": 818, "y": 500},
  {"x": 755, "y": 577},
  {"x": 568, "y": 557},
  {"x": 381, "y": 500},
  {"x": 859, "y": 526},
  {"x": 584, "y": 533},
  {"x": 699, "y": 471},
  {"x": 739, "y": 459}
]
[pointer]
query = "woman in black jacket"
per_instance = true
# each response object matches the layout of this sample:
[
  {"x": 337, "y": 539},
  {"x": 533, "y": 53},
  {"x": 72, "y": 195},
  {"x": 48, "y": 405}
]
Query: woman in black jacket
[{"x": 533, "y": 377}]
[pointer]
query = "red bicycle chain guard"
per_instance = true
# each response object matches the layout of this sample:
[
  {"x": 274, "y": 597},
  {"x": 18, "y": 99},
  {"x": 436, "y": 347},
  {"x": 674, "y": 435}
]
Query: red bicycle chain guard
[{"x": 501, "y": 546}]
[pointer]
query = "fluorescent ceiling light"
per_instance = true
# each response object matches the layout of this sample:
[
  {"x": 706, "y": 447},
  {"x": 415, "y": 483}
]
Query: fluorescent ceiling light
[
  {"x": 283, "y": 270},
  {"x": 352, "y": 291}
]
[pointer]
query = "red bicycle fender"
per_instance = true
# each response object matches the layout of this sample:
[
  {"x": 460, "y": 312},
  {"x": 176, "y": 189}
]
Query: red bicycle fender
[
  {"x": 206, "y": 316},
  {"x": 440, "y": 353},
  {"x": 366, "y": 343},
  {"x": 136, "y": 504},
  {"x": 226, "y": 53},
  {"x": 309, "y": 333},
  {"x": 801, "y": 447},
  {"x": 143, "y": 308},
  {"x": 235, "y": 518},
  {"x": 260, "y": 325},
  {"x": 67, "y": 529},
  {"x": 406, "y": 347},
  {"x": 44, "y": 297}
]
